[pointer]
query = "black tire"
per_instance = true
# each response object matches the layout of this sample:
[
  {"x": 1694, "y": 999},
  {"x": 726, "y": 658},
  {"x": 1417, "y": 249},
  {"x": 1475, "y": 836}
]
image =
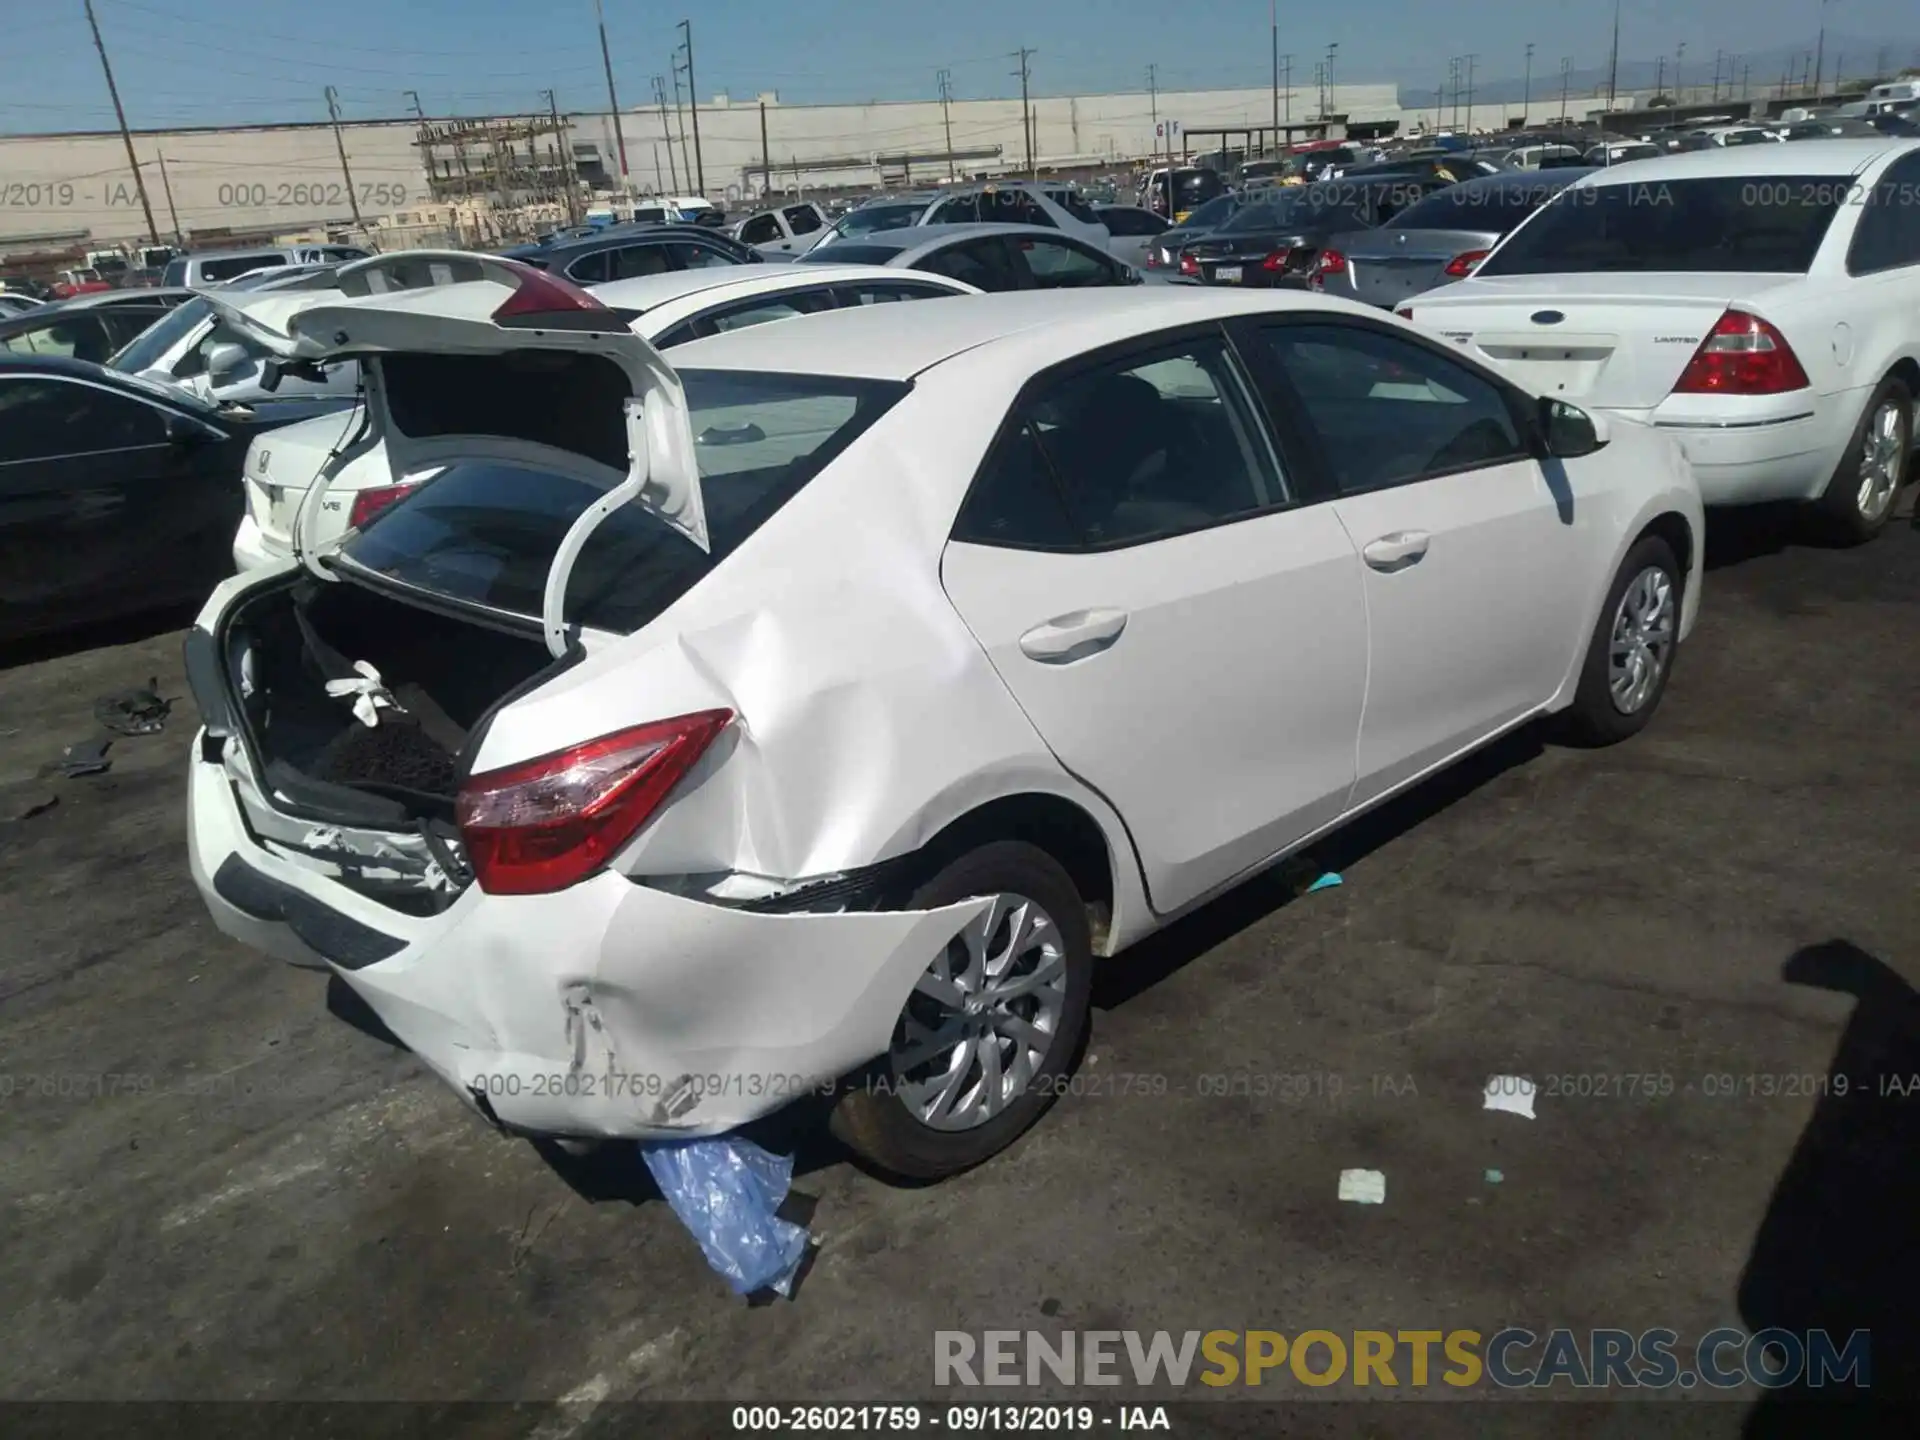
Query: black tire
[
  {"x": 873, "y": 1120},
  {"x": 1837, "y": 511},
  {"x": 1594, "y": 719}
]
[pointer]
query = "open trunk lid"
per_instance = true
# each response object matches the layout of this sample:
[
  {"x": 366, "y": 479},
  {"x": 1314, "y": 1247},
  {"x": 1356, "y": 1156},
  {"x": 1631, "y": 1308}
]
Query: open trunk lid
[
  {"x": 481, "y": 357},
  {"x": 1615, "y": 341}
]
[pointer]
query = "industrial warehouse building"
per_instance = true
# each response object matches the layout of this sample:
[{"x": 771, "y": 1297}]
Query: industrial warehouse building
[{"x": 206, "y": 185}]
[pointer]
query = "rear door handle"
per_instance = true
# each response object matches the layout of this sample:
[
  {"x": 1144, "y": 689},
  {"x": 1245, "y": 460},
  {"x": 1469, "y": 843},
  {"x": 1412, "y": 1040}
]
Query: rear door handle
[
  {"x": 1073, "y": 636},
  {"x": 1398, "y": 550}
]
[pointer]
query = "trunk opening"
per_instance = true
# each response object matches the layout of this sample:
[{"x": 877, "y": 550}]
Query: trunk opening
[{"x": 319, "y": 759}]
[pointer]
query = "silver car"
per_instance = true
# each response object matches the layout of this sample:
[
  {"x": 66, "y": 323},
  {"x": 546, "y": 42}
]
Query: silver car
[{"x": 1440, "y": 239}]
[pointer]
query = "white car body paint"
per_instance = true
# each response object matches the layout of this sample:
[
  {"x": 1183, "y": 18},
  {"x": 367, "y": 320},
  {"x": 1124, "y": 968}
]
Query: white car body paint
[
  {"x": 280, "y": 468},
  {"x": 1630, "y": 335},
  {"x": 880, "y": 695}
]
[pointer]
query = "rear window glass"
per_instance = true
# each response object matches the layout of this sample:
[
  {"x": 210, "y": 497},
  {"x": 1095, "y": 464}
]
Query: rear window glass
[
  {"x": 486, "y": 532},
  {"x": 844, "y": 253},
  {"x": 1731, "y": 224},
  {"x": 1476, "y": 207}
]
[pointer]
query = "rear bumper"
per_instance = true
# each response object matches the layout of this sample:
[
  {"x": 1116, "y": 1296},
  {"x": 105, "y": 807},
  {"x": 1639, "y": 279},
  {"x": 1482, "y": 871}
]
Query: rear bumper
[
  {"x": 607, "y": 1010},
  {"x": 1745, "y": 453}
]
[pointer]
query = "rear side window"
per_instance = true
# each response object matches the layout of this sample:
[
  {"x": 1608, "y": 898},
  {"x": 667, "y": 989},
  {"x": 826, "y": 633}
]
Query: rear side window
[
  {"x": 486, "y": 532},
  {"x": 216, "y": 270},
  {"x": 982, "y": 263},
  {"x": 802, "y": 219},
  {"x": 175, "y": 273},
  {"x": 761, "y": 310},
  {"x": 881, "y": 292},
  {"x": 1732, "y": 224},
  {"x": 1057, "y": 265},
  {"x": 694, "y": 256},
  {"x": 593, "y": 269},
  {"x": 850, "y": 253},
  {"x": 630, "y": 262},
  {"x": 760, "y": 230},
  {"x": 1888, "y": 234}
]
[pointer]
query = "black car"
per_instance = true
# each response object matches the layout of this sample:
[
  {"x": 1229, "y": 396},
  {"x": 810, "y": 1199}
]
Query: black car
[
  {"x": 116, "y": 495},
  {"x": 1454, "y": 169},
  {"x": 88, "y": 327},
  {"x": 1193, "y": 186},
  {"x": 1164, "y": 253},
  {"x": 628, "y": 253},
  {"x": 1278, "y": 242}
]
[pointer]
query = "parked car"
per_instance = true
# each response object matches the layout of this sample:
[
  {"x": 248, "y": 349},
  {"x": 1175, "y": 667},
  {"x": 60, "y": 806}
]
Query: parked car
[
  {"x": 116, "y": 495},
  {"x": 1134, "y": 231},
  {"x": 206, "y": 268},
  {"x": 1278, "y": 242},
  {"x": 988, "y": 257},
  {"x": 629, "y": 253},
  {"x": 839, "y": 749},
  {"x": 1763, "y": 314},
  {"x": 668, "y": 310},
  {"x": 1831, "y": 128},
  {"x": 195, "y": 348},
  {"x": 1451, "y": 168},
  {"x": 785, "y": 230},
  {"x": 1532, "y": 157},
  {"x": 87, "y": 327},
  {"x": 894, "y": 212},
  {"x": 1191, "y": 186},
  {"x": 1017, "y": 202},
  {"x": 12, "y": 303},
  {"x": 1438, "y": 240},
  {"x": 1620, "y": 152},
  {"x": 1164, "y": 254}
]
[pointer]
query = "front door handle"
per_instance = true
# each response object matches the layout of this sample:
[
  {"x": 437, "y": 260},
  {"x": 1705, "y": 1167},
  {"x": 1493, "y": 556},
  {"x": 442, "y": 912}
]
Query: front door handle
[
  {"x": 1398, "y": 550},
  {"x": 1073, "y": 636}
]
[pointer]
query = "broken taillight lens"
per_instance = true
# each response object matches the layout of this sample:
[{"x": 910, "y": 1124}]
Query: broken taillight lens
[
  {"x": 369, "y": 503},
  {"x": 542, "y": 825}
]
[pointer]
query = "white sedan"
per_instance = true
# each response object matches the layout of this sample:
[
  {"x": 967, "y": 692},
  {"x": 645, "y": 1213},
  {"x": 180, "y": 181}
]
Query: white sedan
[
  {"x": 808, "y": 714},
  {"x": 1760, "y": 304},
  {"x": 668, "y": 309}
]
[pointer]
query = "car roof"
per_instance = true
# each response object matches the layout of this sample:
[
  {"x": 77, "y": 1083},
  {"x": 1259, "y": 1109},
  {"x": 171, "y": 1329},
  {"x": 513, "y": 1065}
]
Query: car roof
[
  {"x": 916, "y": 237},
  {"x": 650, "y": 292},
  {"x": 95, "y": 299},
  {"x": 1520, "y": 179},
  {"x": 1828, "y": 157},
  {"x": 898, "y": 342},
  {"x": 637, "y": 232}
]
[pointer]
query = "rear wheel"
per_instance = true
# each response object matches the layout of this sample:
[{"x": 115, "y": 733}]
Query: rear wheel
[
  {"x": 1630, "y": 654},
  {"x": 991, "y": 1027},
  {"x": 1859, "y": 498}
]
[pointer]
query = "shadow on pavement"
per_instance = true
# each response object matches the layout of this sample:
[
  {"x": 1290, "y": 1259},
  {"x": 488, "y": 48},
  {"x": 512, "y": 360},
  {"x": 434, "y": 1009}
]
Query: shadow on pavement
[
  {"x": 126, "y": 630},
  {"x": 1839, "y": 1248}
]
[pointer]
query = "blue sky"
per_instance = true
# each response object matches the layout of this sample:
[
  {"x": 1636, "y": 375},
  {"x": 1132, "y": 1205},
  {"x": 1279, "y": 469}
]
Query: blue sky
[{"x": 206, "y": 62}]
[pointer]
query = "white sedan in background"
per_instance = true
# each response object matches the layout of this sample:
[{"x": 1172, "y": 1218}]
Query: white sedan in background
[
  {"x": 811, "y": 711},
  {"x": 1759, "y": 304},
  {"x": 668, "y": 309}
]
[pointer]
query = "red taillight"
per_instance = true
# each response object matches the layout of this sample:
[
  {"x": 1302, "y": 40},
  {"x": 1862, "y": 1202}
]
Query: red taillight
[
  {"x": 1742, "y": 355},
  {"x": 1332, "y": 262},
  {"x": 543, "y": 299},
  {"x": 539, "y": 826},
  {"x": 1465, "y": 263},
  {"x": 1405, "y": 312},
  {"x": 1189, "y": 265},
  {"x": 369, "y": 503}
]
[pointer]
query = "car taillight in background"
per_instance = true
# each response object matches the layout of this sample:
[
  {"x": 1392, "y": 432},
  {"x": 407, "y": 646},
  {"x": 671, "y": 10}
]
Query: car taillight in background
[
  {"x": 1189, "y": 266},
  {"x": 1405, "y": 312},
  {"x": 1465, "y": 263},
  {"x": 542, "y": 825},
  {"x": 1742, "y": 355},
  {"x": 369, "y": 503}
]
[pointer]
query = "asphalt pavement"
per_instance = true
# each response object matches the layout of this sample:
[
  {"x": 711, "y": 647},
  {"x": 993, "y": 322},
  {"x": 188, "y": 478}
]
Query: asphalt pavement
[{"x": 220, "y": 1182}]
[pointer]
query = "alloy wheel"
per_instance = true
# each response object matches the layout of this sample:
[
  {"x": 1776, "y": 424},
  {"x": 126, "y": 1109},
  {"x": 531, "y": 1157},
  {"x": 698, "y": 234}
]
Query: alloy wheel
[
  {"x": 1882, "y": 459},
  {"x": 1642, "y": 642},
  {"x": 983, "y": 1018}
]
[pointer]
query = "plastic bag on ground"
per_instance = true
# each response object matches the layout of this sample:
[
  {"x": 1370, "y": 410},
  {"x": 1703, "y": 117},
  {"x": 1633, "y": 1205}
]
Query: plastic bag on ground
[{"x": 725, "y": 1190}]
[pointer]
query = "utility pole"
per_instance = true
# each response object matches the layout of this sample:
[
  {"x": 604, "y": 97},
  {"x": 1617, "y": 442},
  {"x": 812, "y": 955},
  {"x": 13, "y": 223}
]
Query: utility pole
[
  {"x": 1660, "y": 76},
  {"x": 565, "y": 142},
  {"x": 1153, "y": 110},
  {"x": 1470, "y": 63},
  {"x": 1746, "y": 74},
  {"x": 766, "y": 155},
  {"x": 680, "y": 114},
  {"x": 613, "y": 100},
  {"x": 1526, "y": 94},
  {"x": 1286, "y": 92},
  {"x": 1566, "y": 79},
  {"x": 1613, "y": 60},
  {"x": 340, "y": 143},
  {"x": 1023, "y": 54},
  {"x": 1440, "y": 99},
  {"x": 167, "y": 186},
  {"x": 1333, "y": 93},
  {"x": 126, "y": 136},
  {"x": 660, "y": 94},
  {"x": 1273, "y": 16},
  {"x": 1679, "y": 55},
  {"x": 693, "y": 100},
  {"x": 1453, "y": 83},
  {"x": 1820, "y": 51},
  {"x": 945, "y": 77}
]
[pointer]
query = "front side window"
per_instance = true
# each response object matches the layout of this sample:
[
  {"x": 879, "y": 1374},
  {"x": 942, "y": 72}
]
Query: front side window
[
  {"x": 959, "y": 210},
  {"x": 983, "y": 264},
  {"x": 802, "y": 219},
  {"x": 760, "y": 230},
  {"x": 1057, "y": 265},
  {"x": 80, "y": 335},
  {"x": 41, "y": 419},
  {"x": 695, "y": 256},
  {"x": 633, "y": 262},
  {"x": 1155, "y": 445},
  {"x": 1770, "y": 224},
  {"x": 762, "y": 310},
  {"x": 1387, "y": 411}
]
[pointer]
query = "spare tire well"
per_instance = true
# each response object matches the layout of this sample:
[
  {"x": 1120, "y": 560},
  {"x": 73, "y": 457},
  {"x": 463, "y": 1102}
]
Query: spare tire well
[{"x": 1059, "y": 827}]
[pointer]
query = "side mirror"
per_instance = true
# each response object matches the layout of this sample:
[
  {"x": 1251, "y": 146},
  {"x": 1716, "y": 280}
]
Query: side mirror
[
  {"x": 226, "y": 360},
  {"x": 1568, "y": 431}
]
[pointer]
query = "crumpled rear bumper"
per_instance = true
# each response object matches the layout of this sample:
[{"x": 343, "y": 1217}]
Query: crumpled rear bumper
[{"x": 608, "y": 1009}]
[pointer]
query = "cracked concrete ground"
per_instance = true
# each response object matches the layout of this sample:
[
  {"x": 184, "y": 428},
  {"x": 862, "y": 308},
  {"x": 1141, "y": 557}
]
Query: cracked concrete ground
[{"x": 217, "y": 1187}]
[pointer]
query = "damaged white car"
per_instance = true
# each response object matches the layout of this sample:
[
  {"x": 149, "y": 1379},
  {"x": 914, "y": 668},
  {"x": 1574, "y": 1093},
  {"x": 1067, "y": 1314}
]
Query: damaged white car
[{"x": 808, "y": 715}]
